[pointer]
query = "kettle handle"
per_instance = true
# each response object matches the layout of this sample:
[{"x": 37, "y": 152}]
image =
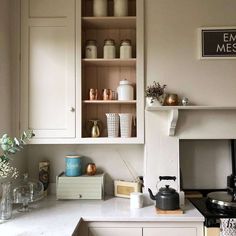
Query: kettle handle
[{"x": 167, "y": 178}]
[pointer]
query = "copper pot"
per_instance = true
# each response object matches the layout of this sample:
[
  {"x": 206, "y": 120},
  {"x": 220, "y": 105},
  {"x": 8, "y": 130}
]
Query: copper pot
[
  {"x": 91, "y": 169},
  {"x": 172, "y": 100}
]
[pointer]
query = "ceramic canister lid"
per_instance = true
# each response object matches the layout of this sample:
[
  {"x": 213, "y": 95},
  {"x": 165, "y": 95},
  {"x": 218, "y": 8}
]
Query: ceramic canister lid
[
  {"x": 125, "y": 81},
  {"x": 72, "y": 156}
]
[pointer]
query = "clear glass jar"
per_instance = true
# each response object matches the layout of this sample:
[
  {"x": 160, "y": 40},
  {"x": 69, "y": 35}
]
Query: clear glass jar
[
  {"x": 91, "y": 49},
  {"x": 6, "y": 202},
  {"x": 125, "y": 49},
  {"x": 109, "y": 49},
  {"x": 100, "y": 7},
  {"x": 120, "y": 7},
  {"x": 26, "y": 191}
]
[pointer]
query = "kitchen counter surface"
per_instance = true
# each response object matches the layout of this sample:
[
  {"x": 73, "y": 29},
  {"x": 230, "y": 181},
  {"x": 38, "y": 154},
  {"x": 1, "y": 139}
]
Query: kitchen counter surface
[{"x": 52, "y": 217}]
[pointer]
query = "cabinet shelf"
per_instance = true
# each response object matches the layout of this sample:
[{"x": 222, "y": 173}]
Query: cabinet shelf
[
  {"x": 109, "y": 62},
  {"x": 109, "y": 22},
  {"x": 109, "y": 102},
  {"x": 107, "y": 140}
]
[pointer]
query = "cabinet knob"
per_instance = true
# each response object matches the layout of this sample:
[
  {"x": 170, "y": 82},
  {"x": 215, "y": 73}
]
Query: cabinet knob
[
  {"x": 80, "y": 196},
  {"x": 72, "y": 109}
]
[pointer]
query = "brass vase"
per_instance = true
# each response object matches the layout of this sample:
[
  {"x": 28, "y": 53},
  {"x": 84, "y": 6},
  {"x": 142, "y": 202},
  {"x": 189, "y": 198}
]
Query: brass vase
[{"x": 95, "y": 131}]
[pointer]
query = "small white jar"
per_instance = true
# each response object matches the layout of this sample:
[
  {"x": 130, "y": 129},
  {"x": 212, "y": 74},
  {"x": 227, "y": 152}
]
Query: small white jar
[
  {"x": 125, "y": 90},
  {"x": 125, "y": 49},
  {"x": 99, "y": 7},
  {"x": 120, "y": 7},
  {"x": 91, "y": 49},
  {"x": 136, "y": 200},
  {"x": 109, "y": 49}
]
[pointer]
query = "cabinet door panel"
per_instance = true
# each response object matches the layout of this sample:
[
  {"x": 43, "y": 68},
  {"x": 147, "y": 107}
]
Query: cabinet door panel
[
  {"x": 115, "y": 231},
  {"x": 169, "y": 232},
  {"x": 47, "y": 78},
  {"x": 49, "y": 8},
  {"x": 48, "y": 74}
]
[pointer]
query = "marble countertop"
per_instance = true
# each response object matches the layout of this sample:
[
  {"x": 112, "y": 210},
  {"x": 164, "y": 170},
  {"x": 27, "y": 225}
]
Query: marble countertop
[{"x": 52, "y": 217}]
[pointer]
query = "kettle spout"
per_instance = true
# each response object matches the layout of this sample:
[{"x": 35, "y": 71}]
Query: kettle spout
[{"x": 151, "y": 194}]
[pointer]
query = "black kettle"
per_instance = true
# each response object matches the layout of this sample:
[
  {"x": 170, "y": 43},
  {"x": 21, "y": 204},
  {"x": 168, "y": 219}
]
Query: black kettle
[{"x": 167, "y": 198}]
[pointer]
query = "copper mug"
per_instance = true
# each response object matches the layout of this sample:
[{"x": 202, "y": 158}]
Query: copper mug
[
  {"x": 93, "y": 94},
  {"x": 107, "y": 94}
]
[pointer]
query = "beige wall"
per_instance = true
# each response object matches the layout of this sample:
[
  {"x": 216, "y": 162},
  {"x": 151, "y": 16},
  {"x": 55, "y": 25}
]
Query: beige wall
[
  {"x": 171, "y": 49},
  {"x": 9, "y": 73},
  {"x": 5, "y": 79},
  {"x": 171, "y": 58},
  {"x": 108, "y": 158}
]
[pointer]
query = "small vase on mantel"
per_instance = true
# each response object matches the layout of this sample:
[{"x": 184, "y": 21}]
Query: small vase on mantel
[
  {"x": 6, "y": 202},
  {"x": 153, "y": 102}
]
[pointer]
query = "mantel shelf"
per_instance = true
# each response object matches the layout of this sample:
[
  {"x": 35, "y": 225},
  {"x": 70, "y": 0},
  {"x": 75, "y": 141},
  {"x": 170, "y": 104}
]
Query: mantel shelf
[
  {"x": 167, "y": 108},
  {"x": 174, "y": 113}
]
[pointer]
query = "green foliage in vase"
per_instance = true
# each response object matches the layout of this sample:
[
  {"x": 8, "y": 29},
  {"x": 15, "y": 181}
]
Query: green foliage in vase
[
  {"x": 11, "y": 146},
  {"x": 155, "y": 91}
]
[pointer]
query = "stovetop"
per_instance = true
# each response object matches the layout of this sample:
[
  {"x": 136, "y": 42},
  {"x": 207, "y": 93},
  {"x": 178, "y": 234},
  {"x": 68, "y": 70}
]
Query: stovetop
[{"x": 212, "y": 217}]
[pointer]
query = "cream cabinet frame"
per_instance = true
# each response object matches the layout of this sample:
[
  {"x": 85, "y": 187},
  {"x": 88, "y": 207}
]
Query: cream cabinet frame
[{"x": 53, "y": 86}]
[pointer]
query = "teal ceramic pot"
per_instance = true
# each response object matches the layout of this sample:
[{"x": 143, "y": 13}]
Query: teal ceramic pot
[{"x": 73, "y": 165}]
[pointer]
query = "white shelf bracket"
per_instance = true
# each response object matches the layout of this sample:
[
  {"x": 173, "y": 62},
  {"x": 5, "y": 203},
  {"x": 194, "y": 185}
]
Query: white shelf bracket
[{"x": 174, "y": 115}]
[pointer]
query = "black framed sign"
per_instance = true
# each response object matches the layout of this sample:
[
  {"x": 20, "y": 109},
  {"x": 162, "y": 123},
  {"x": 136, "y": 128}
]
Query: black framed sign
[{"x": 218, "y": 43}]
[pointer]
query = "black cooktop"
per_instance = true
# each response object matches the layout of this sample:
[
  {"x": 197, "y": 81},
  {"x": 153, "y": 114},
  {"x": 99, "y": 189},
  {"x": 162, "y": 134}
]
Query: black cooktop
[{"x": 212, "y": 217}]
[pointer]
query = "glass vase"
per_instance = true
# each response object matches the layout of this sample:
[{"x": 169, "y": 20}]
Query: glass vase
[{"x": 6, "y": 202}]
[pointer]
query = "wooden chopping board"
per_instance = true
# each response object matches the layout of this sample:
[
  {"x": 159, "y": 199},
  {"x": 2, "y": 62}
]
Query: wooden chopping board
[{"x": 169, "y": 212}]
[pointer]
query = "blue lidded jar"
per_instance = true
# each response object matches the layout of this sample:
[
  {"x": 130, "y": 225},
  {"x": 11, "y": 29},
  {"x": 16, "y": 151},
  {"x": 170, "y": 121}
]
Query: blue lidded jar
[{"x": 73, "y": 165}]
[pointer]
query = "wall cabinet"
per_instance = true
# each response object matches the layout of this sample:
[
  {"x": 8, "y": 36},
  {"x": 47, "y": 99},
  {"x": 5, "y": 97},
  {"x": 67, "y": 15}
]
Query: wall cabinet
[{"x": 56, "y": 76}]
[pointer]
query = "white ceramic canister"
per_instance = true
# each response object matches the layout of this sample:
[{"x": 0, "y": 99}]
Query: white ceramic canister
[
  {"x": 136, "y": 200},
  {"x": 109, "y": 49},
  {"x": 125, "y": 125},
  {"x": 125, "y": 90},
  {"x": 112, "y": 125},
  {"x": 91, "y": 49},
  {"x": 125, "y": 49},
  {"x": 120, "y": 7},
  {"x": 99, "y": 7}
]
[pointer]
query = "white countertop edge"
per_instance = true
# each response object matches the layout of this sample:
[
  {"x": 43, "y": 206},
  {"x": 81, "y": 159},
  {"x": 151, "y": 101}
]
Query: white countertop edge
[{"x": 169, "y": 218}]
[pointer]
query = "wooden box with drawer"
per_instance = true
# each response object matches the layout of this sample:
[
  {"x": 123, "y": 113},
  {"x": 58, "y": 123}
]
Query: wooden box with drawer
[{"x": 80, "y": 187}]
